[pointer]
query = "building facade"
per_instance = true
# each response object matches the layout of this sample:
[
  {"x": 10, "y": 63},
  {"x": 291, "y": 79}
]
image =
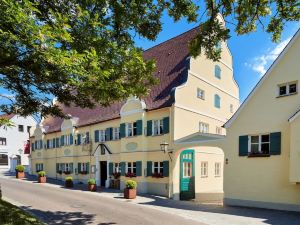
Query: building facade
[
  {"x": 123, "y": 141},
  {"x": 14, "y": 142},
  {"x": 262, "y": 146}
]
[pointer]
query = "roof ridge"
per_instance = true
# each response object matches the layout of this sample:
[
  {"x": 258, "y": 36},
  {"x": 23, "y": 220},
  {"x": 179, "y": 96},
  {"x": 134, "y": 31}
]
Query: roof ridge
[{"x": 171, "y": 38}]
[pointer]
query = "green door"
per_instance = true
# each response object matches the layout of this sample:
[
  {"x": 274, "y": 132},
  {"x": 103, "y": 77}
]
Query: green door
[{"x": 187, "y": 175}]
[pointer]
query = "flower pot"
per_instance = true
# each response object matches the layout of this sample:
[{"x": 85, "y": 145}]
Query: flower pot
[
  {"x": 129, "y": 193},
  {"x": 42, "y": 179},
  {"x": 92, "y": 187},
  {"x": 20, "y": 175},
  {"x": 69, "y": 184}
]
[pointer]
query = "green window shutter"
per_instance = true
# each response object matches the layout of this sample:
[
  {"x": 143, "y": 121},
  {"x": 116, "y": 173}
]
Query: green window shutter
[
  {"x": 41, "y": 144},
  {"x": 57, "y": 167},
  {"x": 36, "y": 167},
  {"x": 149, "y": 127},
  {"x": 111, "y": 133},
  {"x": 243, "y": 145},
  {"x": 48, "y": 144},
  {"x": 71, "y": 167},
  {"x": 107, "y": 134},
  {"x": 88, "y": 167},
  {"x": 139, "y": 168},
  {"x": 42, "y": 165},
  {"x": 35, "y": 145},
  {"x": 79, "y": 168},
  {"x": 122, "y": 130},
  {"x": 122, "y": 168},
  {"x": 139, "y": 127},
  {"x": 110, "y": 168},
  {"x": 96, "y": 136},
  {"x": 53, "y": 143},
  {"x": 275, "y": 143},
  {"x": 166, "y": 125},
  {"x": 57, "y": 142},
  {"x": 149, "y": 168},
  {"x": 78, "y": 139},
  {"x": 165, "y": 168},
  {"x": 62, "y": 140},
  {"x": 32, "y": 146},
  {"x": 71, "y": 139}
]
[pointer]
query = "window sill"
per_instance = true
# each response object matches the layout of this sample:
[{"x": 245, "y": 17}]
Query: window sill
[
  {"x": 204, "y": 176},
  {"x": 281, "y": 96},
  {"x": 258, "y": 155}
]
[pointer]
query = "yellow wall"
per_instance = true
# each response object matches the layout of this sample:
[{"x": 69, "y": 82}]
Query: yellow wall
[{"x": 295, "y": 150}]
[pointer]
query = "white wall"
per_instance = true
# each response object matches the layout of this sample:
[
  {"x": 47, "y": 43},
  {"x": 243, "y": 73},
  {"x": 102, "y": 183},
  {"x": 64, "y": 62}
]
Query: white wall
[{"x": 15, "y": 140}]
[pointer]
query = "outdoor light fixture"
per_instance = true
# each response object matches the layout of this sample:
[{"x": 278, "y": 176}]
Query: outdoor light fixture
[{"x": 164, "y": 146}]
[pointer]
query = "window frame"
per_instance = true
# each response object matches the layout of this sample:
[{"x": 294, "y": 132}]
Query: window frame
[
  {"x": 116, "y": 167},
  {"x": 217, "y": 101},
  {"x": 132, "y": 126},
  {"x": 201, "y": 96},
  {"x": 219, "y": 130},
  {"x": 159, "y": 124},
  {"x": 159, "y": 167},
  {"x": 259, "y": 143},
  {"x": 132, "y": 167},
  {"x": 218, "y": 169},
  {"x": 116, "y": 133},
  {"x": 102, "y": 136},
  {"x": 203, "y": 125},
  {"x": 21, "y": 128},
  {"x": 287, "y": 87},
  {"x": 204, "y": 169},
  {"x": 218, "y": 72},
  {"x": 3, "y": 140}
]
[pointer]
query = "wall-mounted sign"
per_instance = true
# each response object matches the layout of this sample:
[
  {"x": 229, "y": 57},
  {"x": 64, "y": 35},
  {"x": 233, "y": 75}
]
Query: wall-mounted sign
[{"x": 131, "y": 146}]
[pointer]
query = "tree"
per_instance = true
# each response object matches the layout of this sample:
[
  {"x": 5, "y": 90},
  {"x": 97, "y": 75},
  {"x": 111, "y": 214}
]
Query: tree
[{"x": 82, "y": 51}]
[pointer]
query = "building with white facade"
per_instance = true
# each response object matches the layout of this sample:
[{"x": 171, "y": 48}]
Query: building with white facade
[{"x": 14, "y": 142}]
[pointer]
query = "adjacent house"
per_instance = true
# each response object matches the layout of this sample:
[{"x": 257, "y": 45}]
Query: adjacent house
[
  {"x": 14, "y": 142},
  {"x": 125, "y": 140}
]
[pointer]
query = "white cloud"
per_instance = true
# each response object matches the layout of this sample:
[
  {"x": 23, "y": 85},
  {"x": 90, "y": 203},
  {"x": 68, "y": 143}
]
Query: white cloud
[{"x": 261, "y": 63}]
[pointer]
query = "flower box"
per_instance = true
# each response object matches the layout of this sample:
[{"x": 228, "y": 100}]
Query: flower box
[
  {"x": 157, "y": 175},
  {"x": 129, "y": 193},
  {"x": 83, "y": 172},
  {"x": 116, "y": 175},
  {"x": 130, "y": 175},
  {"x": 67, "y": 172}
]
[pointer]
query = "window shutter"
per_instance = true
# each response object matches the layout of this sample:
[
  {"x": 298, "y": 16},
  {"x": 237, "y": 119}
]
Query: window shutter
[
  {"x": 165, "y": 168},
  {"x": 71, "y": 139},
  {"x": 57, "y": 142},
  {"x": 62, "y": 140},
  {"x": 78, "y": 139},
  {"x": 110, "y": 168},
  {"x": 41, "y": 144},
  {"x": 107, "y": 134},
  {"x": 48, "y": 144},
  {"x": 139, "y": 127},
  {"x": 36, "y": 167},
  {"x": 166, "y": 125},
  {"x": 32, "y": 146},
  {"x": 57, "y": 167},
  {"x": 71, "y": 167},
  {"x": 149, "y": 128},
  {"x": 149, "y": 168},
  {"x": 42, "y": 165},
  {"x": 35, "y": 145},
  {"x": 63, "y": 167},
  {"x": 79, "y": 168},
  {"x": 122, "y": 168},
  {"x": 275, "y": 145},
  {"x": 139, "y": 168},
  {"x": 53, "y": 143},
  {"x": 243, "y": 145},
  {"x": 88, "y": 167},
  {"x": 122, "y": 130},
  {"x": 96, "y": 136},
  {"x": 111, "y": 133}
]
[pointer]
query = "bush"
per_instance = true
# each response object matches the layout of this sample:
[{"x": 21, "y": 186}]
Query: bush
[
  {"x": 91, "y": 181},
  {"x": 69, "y": 179},
  {"x": 20, "y": 168},
  {"x": 131, "y": 184},
  {"x": 42, "y": 173}
]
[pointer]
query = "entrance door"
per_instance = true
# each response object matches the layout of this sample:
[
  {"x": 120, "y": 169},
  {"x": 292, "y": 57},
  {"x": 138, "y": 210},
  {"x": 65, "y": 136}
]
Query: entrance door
[
  {"x": 187, "y": 175},
  {"x": 103, "y": 172}
]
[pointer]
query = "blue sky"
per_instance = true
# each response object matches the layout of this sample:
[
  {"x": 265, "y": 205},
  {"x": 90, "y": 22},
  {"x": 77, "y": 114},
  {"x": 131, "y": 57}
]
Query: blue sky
[{"x": 252, "y": 53}]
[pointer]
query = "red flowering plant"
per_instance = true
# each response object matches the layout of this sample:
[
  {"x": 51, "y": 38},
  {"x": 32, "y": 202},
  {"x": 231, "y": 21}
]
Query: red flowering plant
[
  {"x": 129, "y": 174},
  {"x": 116, "y": 175},
  {"x": 67, "y": 172},
  {"x": 83, "y": 172},
  {"x": 157, "y": 175},
  {"x": 59, "y": 172}
]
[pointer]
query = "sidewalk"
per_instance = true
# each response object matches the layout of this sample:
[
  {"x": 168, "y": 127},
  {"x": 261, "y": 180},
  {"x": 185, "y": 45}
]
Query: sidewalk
[{"x": 208, "y": 214}]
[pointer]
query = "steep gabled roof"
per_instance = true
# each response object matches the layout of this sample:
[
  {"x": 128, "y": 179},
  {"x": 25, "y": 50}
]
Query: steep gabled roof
[
  {"x": 295, "y": 116},
  {"x": 261, "y": 81},
  {"x": 171, "y": 71},
  {"x": 7, "y": 116}
]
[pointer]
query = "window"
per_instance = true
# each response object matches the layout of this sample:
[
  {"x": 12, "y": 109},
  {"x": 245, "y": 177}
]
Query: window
[
  {"x": 203, "y": 127},
  {"x": 3, "y": 160},
  {"x": 217, "y": 169},
  {"x": 231, "y": 108},
  {"x": 86, "y": 138},
  {"x": 218, "y": 46},
  {"x": 157, "y": 168},
  {"x": 101, "y": 135},
  {"x": 217, "y": 101},
  {"x": 187, "y": 169},
  {"x": 28, "y": 129},
  {"x": 83, "y": 167},
  {"x": 200, "y": 94},
  {"x": 21, "y": 128},
  {"x": 39, "y": 167},
  {"x": 260, "y": 144},
  {"x": 2, "y": 141},
  {"x": 131, "y": 167},
  {"x": 287, "y": 89},
  {"x": 68, "y": 167},
  {"x": 157, "y": 127},
  {"x": 116, "y": 133},
  {"x": 131, "y": 129},
  {"x": 219, "y": 130},
  {"x": 204, "y": 169},
  {"x": 117, "y": 168},
  {"x": 217, "y": 72}
]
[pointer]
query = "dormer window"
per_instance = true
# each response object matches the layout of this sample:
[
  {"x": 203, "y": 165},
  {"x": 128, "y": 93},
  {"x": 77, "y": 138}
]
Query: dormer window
[{"x": 287, "y": 89}]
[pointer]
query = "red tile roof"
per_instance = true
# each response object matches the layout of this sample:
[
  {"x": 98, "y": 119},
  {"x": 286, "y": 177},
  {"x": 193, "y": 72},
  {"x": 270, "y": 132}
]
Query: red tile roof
[
  {"x": 7, "y": 116},
  {"x": 171, "y": 71}
]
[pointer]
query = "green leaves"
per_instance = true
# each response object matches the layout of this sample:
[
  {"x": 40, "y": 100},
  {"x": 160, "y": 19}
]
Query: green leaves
[{"x": 83, "y": 52}]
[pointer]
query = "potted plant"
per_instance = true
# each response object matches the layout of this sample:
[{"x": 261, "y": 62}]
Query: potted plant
[
  {"x": 130, "y": 189},
  {"x": 42, "y": 177},
  {"x": 92, "y": 185},
  {"x": 20, "y": 171},
  {"x": 69, "y": 182}
]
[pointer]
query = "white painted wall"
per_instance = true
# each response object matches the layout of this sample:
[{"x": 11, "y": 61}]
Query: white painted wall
[{"x": 15, "y": 140}]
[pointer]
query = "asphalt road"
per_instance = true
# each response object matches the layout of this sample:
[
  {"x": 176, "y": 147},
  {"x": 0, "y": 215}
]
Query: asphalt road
[{"x": 55, "y": 205}]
